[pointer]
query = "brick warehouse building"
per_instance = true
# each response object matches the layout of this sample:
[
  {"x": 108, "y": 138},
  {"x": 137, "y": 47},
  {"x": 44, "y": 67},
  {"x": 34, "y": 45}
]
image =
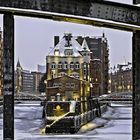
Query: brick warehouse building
[
  {"x": 99, "y": 64},
  {"x": 121, "y": 79}
]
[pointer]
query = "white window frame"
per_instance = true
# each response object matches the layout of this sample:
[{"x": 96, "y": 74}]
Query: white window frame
[
  {"x": 60, "y": 65},
  {"x": 65, "y": 65},
  {"x": 77, "y": 65},
  {"x": 53, "y": 65},
  {"x": 71, "y": 65}
]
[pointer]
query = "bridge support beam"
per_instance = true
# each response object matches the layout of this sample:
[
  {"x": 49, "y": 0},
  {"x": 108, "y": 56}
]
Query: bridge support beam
[
  {"x": 8, "y": 52},
  {"x": 136, "y": 85},
  {"x": 136, "y": 82}
]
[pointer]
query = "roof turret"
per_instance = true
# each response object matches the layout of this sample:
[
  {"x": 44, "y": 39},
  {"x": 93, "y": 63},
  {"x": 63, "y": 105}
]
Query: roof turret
[{"x": 85, "y": 46}]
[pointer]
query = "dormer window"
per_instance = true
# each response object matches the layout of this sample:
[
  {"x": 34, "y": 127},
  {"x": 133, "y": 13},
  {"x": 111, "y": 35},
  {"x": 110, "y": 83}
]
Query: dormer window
[
  {"x": 68, "y": 52},
  {"x": 56, "y": 52}
]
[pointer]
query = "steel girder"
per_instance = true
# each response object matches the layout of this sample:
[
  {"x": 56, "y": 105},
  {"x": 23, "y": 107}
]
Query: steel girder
[{"x": 98, "y": 9}]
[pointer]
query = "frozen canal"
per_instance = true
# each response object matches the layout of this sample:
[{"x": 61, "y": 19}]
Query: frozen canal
[{"x": 115, "y": 124}]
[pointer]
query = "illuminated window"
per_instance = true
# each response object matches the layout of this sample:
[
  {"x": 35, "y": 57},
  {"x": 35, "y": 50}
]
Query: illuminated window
[{"x": 56, "y": 52}]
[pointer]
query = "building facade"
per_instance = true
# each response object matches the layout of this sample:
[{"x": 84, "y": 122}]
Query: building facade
[
  {"x": 36, "y": 79},
  {"x": 68, "y": 57},
  {"x": 26, "y": 81},
  {"x": 121, "y": 79},
  {"x": 99, "y": 64},
  {"x": 1, "y": 64},
  {"x": 68, "y": 72}
]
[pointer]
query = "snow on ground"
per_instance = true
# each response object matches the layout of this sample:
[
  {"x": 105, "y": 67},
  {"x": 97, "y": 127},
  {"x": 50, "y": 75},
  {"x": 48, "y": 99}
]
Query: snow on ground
[
  {"x": 117, "y": 127},
  {"x": 108, "y": 127}
]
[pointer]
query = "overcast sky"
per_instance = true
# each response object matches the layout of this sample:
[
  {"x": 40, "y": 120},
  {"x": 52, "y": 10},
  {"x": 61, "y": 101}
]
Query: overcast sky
[{"x": 35, "y": 37}]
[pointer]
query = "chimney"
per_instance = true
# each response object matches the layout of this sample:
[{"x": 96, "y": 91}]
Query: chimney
[{"x": 56, "y": 40}]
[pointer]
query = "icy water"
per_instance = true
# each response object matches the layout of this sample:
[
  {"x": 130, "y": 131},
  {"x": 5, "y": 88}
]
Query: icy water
[{"x": 115, "y": 124}]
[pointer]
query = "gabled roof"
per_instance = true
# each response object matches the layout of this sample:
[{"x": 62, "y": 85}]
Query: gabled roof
[{"x": 62, "y": 46}]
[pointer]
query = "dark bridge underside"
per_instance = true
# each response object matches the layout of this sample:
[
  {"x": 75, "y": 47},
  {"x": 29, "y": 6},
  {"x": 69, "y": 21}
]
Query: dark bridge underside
[{"x": 93, "y": 10}]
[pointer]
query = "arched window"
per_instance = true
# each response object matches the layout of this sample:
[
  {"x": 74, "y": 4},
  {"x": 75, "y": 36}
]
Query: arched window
[
  {"x": 65, "y": 65},
  {"x": 77, "y": 65},
  {"x": 71, "y": 65},
  {"x": 53, "y": 66},
  {"x": 60, "y": 65}
]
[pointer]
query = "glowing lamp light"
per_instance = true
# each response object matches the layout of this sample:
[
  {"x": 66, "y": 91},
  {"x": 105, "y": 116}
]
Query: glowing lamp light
[
  {"x": 58, "y": 107},
  {"x": 109, "y": 81},
  {"x": 109, "y": 91},
  {"x": 128, "y": 86}
]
